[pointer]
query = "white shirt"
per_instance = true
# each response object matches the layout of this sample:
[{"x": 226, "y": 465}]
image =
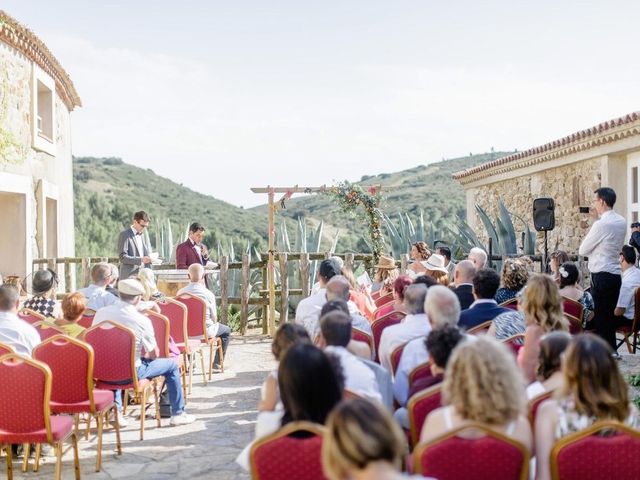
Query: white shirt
[
  {"x": 308, "y": 312},
  {"x": 358, "y": 378},
  {"x": 201, "y": 291},
  {"x": 97, "y": 297},
  {"x": 603, "y": 243},
  {"x": 126, "y": 315},
  {"x": 626, "y": 299},
  {"x": 414, "y": 354},
  {"x": 138, "y": 239},
  {"x": 18, "y": 333},
  {"x": 412, "y": 326}
]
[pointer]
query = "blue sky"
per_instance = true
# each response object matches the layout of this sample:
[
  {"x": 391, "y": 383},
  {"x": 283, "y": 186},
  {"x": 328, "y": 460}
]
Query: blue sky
[{"x": 223, "y": 96}]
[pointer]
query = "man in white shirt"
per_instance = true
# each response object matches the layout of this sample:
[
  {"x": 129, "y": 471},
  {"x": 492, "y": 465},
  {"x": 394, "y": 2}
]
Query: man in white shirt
[
  {"x": 308, "y": 311},
  {"x": 148, "y": 365},
  {"x": 335, "y": 335},
  {"x": 96, "y": 293},
  {"x": 414, "y": 325},
  {"x": 602, "y": 245},
  {"x": 338, "y": 289},
  {"x": 197, "y": 288},
  {"x": 625, "y": 308},
  {"x": 13, "y": 331}
]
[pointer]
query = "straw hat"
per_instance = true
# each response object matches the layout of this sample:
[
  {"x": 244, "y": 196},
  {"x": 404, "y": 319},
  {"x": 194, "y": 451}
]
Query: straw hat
[
  {"x": 435, "y": 263},
  {"x": 386, "y": 263}
]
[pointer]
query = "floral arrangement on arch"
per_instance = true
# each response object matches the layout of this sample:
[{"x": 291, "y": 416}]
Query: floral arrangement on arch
[{"x": 350, "y": 198}]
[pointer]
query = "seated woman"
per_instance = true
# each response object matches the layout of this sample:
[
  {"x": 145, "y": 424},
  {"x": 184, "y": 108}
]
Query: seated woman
[
  {"x": 288, "y": 334},
  {"x": 556, "y": 259},
  {"x": 310, "y": 385},
  {"x": 73, "y": 306},
  {"x": 435, "y": 268},
  {"x": 44, "y": 285},
  {"x": 593, "y": 390},
  {"x": 386, "y": 274},
  {"x": 397, "y": 305},
  {"x": 359, "y": 295},
  {"x": 419, "y": 253},
  {"x": 549, "y": 373},
  {"x": 570, "y": 288},
  {"x": 481, "y": 384},
  {"x": 362, "y": 442},
  {"x": 542, "y": 308},
  {"x": 513, "y": 278},
  {"x": 148, "y": 281}
]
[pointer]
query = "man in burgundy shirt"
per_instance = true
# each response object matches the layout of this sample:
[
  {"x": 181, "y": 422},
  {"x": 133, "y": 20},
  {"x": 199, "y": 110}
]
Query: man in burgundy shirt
[{"x": 192, "y": 250}]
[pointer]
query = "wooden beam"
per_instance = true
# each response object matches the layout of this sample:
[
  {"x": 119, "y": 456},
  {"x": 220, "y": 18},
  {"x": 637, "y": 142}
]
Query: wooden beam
[{"x": 322, "y": 188}]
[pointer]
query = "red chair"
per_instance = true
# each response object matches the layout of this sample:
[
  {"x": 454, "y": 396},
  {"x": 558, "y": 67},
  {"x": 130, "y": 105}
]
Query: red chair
[
  {"x": 514, "y": 342},
  {"x": 47, "y": 329},
  {"x": 176, "y": 312},
  {"x": 575, "y": 324},
  {"x": 25, "y": 389},
  {"x": 30, "y": 316},
  {"x": 511, "y": 304},
  {"x": 420, "y": 378},
  {"x": 631, "y": 331},
  {"x": 385, "y": 309},
  {"x": 420, "y": 406},
  {"x": 115, "y": 364},
  {"x": 196, "y": 326},
  {"x": 87, "y": 318},
  {"x": 383, "y": 299},
  {"x": 362, "y": 336},
  {"x": 381, "y": 323},
  {"x": 574, "y": 308},
  {"x": 480, "y": 329},
  {"x": 396, "y": 355},
  {"x": 604, "y": 450},
  {"x": 490, "y": 456},
  {"x": 72, "y": 392},
  {"x": 161, "y": 330},
  {"x": 534, "y": 404},
  {"x": 286, "y": 454},
  {"x": 5, "y": 348}
]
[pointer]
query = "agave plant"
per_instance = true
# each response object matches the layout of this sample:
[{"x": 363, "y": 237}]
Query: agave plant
[
  {"x": 404, "y": 232},
  {"x": 503, "y": 234}
]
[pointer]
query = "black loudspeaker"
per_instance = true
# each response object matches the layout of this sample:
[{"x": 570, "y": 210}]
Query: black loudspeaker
[{"x": 544, "y": 218}]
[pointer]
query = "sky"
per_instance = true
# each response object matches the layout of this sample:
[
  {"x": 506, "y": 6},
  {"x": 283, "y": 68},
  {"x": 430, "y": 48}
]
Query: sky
[{"x": 222, "y": 96}]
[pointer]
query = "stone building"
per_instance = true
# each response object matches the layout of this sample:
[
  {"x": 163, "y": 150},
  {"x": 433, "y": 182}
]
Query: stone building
[
  {"x": 36, "y": 189},
  {"x": 567, "y": 170}
]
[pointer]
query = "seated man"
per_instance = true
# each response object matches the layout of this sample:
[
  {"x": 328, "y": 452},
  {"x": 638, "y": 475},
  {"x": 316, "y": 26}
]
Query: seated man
[
  {"x": 484, "y": 308},
  {"x": 338, "y": 289},
  {"x": 335, "y": 335},
  {"x": 625, "y": 308},
  {"x": 113, "y": 280},
  {"x": 13, "y": 331},
  {"x": 125, "y": 313},
  {"x": 96, "y": 294},
  {"x": 308, "y": 310},
  {"x": 197, "y": 288},
  {"x": 463, "y": 279}
]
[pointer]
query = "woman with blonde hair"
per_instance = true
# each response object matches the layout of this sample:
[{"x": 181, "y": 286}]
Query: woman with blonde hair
[
  {"x": 362, "y": 442},
  {"x": 148, "y": 281},
  {"x": 434, "y": 267},
  {"x": 386, "y": 273},
  {"x": 482, "y": 385},
  {"x": 542, "y": 308},
  {"x": 593, "y": 390}
]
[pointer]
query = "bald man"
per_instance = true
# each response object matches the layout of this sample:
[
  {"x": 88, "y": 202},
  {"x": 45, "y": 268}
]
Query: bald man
[
  {"x": 463, "y": 278},
  {"x": 197, "y": 288},
  {"x": 338, "y": 288}
]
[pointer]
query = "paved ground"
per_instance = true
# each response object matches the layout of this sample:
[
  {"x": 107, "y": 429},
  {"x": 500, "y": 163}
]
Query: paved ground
[{"x": 226, "y": 412}]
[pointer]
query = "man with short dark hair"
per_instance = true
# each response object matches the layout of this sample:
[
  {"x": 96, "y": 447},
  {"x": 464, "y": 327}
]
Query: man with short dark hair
[
  {"x": 485, "y": 285},
  {"x": 192, "y": 250},
  {"x": 449, "y": 264},
  {"x": 132, "y": 249},
  {"x": 308, "y": 311},
  {"x": 634, "y": 241},
  {"x": 13, "y": 331},
  {"x": 602, "y": 245},
  {"x": 625, "y": 308}
]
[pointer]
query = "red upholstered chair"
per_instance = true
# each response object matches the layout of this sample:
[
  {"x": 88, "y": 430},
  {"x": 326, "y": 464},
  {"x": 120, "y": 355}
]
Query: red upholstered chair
[
  {"x": 604, "y": 450},
  {"x": 30, "y": 316},
  {"x": 196, "y": 326},
  {"x": 46, "y": 329},
  {"x": 115, "y": 362},
  {"x": 362, "y": 336},
  {"x": 383, "y": 299},
  {"x": 5, "y": 348},
  {"x": 419, "y": 406},
  {"x": 381, "y": 323},
  {"x": 287, "y": 454},
  {"x": 176, "y": 312},
  {"x": 25, "y": 389},
  {"x": 396, "y": 354},
  {"x": 161, "y": 329},
  {"x": 87, "y": 318},
  {"x": 385, "y": 309},
  {"x": 511, "y": 304},
  {"x": 575, "y": 324},
  {"x": 632, "y": 331},
  {"x": 71, "y": 364},
  {"x": 490, "y": 456},
  {"x": 534, "y": 404},
  {"x": 514, "y": 342},
  {"x": 480, "y": 329},
  {"x": 421, "y": 377},
  {"x": 573, "y": 308}
]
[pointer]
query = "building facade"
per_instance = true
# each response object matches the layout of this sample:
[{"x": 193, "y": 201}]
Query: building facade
[
  {"x": 36, "y": 178},
  {"x": 567, "y": 170}
]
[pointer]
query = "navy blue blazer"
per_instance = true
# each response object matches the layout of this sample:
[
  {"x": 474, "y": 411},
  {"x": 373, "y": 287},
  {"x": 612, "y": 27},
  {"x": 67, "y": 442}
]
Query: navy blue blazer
[{"x": 480, "y": 313}]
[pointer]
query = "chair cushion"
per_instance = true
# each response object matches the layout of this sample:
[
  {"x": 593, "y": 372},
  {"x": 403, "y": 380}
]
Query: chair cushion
[
  {"x": 101, "y": 400},
  {"x": 142, "y": 384},
  {"x": 61, "y": 426}
]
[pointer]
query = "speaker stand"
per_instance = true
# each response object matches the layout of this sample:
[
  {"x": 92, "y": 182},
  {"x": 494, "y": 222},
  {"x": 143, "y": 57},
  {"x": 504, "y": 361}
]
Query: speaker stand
[{"x": 546, "y": 254}]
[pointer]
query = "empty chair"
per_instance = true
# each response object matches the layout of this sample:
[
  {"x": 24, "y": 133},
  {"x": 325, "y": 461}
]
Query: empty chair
[{"x": 381, "y": 323}]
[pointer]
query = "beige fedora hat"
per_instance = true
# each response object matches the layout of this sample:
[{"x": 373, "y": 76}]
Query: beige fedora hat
[{"x": 385, "y": 262}]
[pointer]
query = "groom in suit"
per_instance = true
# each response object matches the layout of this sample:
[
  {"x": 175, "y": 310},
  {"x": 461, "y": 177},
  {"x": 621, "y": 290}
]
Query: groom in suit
[
  {"x": 132, "y": 249},
  {"x": 192, "y": 250}
]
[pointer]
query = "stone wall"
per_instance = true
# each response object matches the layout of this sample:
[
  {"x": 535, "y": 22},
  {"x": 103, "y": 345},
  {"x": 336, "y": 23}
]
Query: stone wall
[{"x": 570, "y": 186}]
